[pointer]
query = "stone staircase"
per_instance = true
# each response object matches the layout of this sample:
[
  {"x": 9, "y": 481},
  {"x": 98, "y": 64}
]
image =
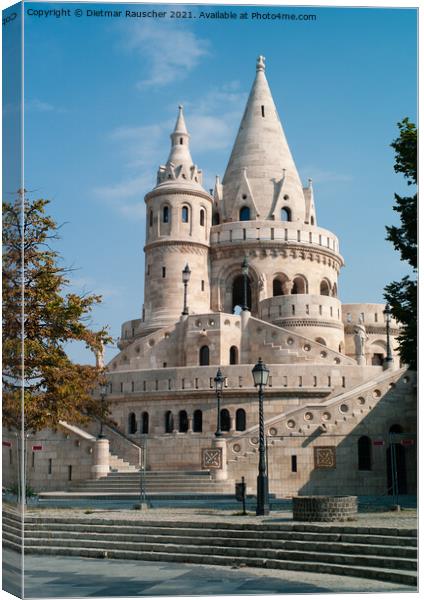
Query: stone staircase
[
  {"x": 386, "y": 554},
  {"x": 125, "y": 484},
  {"x": 348, "y": 407},
  {"x": 117, "y": 464}
]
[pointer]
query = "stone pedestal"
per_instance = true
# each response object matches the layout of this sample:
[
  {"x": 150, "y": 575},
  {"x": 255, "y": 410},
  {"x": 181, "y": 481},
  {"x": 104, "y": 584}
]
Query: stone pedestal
[
  {"x": 220, "y": 474},
  {"x": 100, "y": 466},
  {"x": 361, "y": 360}
]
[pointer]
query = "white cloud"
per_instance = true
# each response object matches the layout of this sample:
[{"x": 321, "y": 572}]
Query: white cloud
[
  {"x": 319, "y": 175},
  {"x": 88, "y": 285},
  {"x": 40, "y": 106},
  {"x": 170, "y": 49},
  {"x": 212, "y": 120}
]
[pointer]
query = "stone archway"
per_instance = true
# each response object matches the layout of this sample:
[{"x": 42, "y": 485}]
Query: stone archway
[
  {"x": 232, "y": 290},
  {"x": 238, "y": 292}
]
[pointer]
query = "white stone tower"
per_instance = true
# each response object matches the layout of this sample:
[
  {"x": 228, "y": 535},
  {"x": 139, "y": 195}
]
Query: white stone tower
[
  {"x": 266, "y": 215},
  {"x": 178, "y": 220}
]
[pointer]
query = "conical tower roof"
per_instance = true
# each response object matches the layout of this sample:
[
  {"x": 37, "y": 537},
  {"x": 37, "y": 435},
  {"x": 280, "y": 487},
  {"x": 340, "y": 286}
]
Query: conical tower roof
[
  {"x": 261, "y": 171},
  {"x": 179, "y": 168}
]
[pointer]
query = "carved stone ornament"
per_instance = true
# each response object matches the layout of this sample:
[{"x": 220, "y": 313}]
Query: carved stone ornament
[
  {"x": 211, "y": 458},
  {"x": 325, "y": 457}
]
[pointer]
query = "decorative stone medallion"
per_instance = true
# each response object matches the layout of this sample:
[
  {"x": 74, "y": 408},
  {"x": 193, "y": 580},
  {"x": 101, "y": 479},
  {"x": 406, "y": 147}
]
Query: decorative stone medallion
[
  {"x": 325, "y": 457},
  {"x": 211, "y": 458}
]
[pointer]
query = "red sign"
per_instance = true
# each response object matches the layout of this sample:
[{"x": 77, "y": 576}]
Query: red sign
[
  {"x": 36, "y": 448},
  {"x": 407, "y": 442},
  {"x": 378, "y": 443},
  {"x": 7, "y": 444}
]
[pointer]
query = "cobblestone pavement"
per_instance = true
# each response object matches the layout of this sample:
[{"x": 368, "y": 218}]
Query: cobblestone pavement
[
  {"x": 69, "y": 577},
  {"x": 403, "y": 519}
]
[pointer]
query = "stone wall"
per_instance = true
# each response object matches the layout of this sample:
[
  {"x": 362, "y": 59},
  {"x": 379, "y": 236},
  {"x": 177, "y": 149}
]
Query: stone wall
[{"x": 65, "y": 458}]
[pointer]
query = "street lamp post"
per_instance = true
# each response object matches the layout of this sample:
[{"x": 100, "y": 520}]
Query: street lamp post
[
  {"x": 103, "y": 393},
  {"x": 186, "y": 278},
  {"x": 219, "y": 384},
  {"x": 260, "y": 374},
  {"x": 387, "y": 313},
  {"x": 245, "y": 271}
]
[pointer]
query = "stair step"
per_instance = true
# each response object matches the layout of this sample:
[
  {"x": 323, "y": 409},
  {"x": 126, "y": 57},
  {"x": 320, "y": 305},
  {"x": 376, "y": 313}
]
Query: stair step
[
  {"x": 236, "y": 542},
  {"x": 168, "y": 554}
]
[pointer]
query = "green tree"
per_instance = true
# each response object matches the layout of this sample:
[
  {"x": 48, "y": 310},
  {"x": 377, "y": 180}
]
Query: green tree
[
  {"x": 41, "y": 385},
  {"x": 402, "y": 295}
]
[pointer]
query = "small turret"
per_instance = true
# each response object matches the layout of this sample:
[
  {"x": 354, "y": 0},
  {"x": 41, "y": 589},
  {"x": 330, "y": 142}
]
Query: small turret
[{"x": 179, "y": 215}]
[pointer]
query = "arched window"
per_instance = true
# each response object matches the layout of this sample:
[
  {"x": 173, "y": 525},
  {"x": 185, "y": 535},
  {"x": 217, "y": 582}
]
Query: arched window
[
  {"x": 184, "y": 214},
  {"x": 183, "y": 421},
  {"x": 364, "y": 453},
  {"x": 312, "y": 221},
  {"x": 240, "y": 419},
  {"x": 233, "y": 355},
  {"x": 238, "y": 292},
  {"x": 225, "y": 420},
  {"x": 244, "y": 213},
  {"x": 277, "y": 287},
  {"x": 334, "y": 292},
  {"x": 215, "y": 219},
  {"x": 285, "y": 214},
  {"x": 132, "y": 423},
  {"x": 204, "y": 356},
  {"x": 169, "y": 422},
  {"x": 321, "y": 341},
  {"x": 197, "y": 421},
  {"x": 202, "y": 218},
  {"x": 324, "y": 288},
  {"x": 165, "y": 214},
  {"x": 151, "y": 218},
  {"x": 341, "y": 348},
  {"x": 300, "y": 286},
  {"x": 145, "y": 422},
  {"x": 181, "y": 141}
]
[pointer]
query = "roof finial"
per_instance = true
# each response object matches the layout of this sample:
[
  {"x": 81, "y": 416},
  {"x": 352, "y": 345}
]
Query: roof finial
[{"x": 260, "y": 63}]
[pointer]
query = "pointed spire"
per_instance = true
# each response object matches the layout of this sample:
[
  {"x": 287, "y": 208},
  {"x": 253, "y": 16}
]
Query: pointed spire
[
  {"x": 262, "y": 148},
  {"x": 180, "y": 151},
  {"x": 179, "y": 167}
]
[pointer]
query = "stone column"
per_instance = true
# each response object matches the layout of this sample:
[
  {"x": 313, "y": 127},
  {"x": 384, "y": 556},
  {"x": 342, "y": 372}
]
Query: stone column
[
  {"x": 100, "y": 466},
  {"x": 232, "y": 424},
  {"x": 190, "y": 425},
  {"x": 220, "y": 474}
]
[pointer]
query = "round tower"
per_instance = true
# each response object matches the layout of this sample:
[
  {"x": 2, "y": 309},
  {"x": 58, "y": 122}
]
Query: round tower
[
  {"x": 266, "y": 215},
  {"x": 178, "y": 220}
]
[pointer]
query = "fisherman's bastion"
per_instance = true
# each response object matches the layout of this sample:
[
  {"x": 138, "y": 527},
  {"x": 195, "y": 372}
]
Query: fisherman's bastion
[{"x": 233, "y": 275}]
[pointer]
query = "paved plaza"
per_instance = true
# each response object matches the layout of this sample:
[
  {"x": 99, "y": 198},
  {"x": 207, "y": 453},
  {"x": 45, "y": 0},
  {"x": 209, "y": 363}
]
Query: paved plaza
[{"x": 69, "y": 577}]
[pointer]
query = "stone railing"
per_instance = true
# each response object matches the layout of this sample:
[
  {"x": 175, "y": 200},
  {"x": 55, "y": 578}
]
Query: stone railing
[{"x": 290, "y": 232}]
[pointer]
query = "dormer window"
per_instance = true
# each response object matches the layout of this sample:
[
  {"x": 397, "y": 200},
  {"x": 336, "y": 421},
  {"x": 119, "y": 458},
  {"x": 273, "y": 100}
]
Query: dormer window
[
  {"x": 285, "y": 214},
  {"x": 245, "y": 213}
]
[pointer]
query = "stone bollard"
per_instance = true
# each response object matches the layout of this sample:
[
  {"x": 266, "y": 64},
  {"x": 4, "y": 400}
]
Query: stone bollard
[
  {"x": 100, "y": 466},
  {"x": 220, "y": 474}
]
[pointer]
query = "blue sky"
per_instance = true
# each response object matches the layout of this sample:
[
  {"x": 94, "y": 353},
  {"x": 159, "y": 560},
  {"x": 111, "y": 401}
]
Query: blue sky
[{"x": 101, "y": 98}]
